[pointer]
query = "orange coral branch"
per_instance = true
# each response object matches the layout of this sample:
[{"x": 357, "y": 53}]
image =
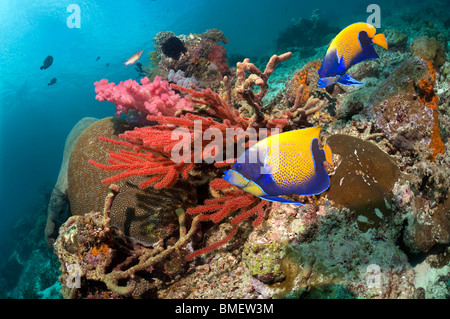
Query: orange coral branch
[{"x": 429, "y": 98}]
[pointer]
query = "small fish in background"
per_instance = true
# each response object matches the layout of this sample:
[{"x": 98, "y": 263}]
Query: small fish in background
[
  {"x": 352, "y": 45},
  {"x": 52, "y": 81},
  {"x": 98, "y": 58},
  {"x": 134, "y": 58},
  {"x": 107, "y": 64},
  {"x": 292, "y": 164},
  {"x": 47, "y": 62}
]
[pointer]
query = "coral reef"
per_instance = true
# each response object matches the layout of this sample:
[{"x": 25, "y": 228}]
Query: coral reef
[
  {"x": 306, "y": 76},
  {"x": 427, "y": 230},
  {"x": 402, "y": 116},
  {"x": 245, "y": 84},
  {"x": 179, "y": 78},
  {"x": 93, "y": 252},
  {"x": 397, "y": 40}
]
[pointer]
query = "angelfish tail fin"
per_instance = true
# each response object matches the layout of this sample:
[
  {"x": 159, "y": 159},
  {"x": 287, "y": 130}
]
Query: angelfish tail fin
[{"x": 380, "y": 39}]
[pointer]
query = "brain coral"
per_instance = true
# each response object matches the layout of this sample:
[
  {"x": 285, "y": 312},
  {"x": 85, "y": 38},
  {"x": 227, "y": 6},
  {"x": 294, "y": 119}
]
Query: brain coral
[
  {"x": 57, "y": 202},
  {"x": 145, "y": 215},
  {"x": 363, "y": 180}
]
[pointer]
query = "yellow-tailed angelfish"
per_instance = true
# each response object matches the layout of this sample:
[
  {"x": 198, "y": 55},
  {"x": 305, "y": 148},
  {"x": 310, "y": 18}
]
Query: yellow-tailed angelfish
[
  {"x": 283, "y": 164},
  {"x": 352, "y": 45}
]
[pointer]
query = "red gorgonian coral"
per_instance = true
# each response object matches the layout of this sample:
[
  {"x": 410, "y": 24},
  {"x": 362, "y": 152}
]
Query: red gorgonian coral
[{"x": 153, "y": 147}]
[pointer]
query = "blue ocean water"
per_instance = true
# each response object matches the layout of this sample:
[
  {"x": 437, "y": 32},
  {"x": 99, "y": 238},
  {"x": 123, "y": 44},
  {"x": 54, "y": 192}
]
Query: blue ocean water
[{"x": 36, "y": 117}]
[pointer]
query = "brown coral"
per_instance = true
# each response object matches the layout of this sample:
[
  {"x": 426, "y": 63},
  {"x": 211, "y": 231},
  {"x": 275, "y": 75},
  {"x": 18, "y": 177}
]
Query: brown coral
[
  {"x": 58, "y": 199},
  {"x": 306, "y": 76},
  {"x": 363, "y": 180},
  {"x": 428, "y": 49}
]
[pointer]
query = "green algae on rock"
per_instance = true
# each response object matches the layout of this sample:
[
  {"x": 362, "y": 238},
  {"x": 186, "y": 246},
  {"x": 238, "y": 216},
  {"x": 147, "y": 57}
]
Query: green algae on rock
[
  {"x": 363, "y": 180},
  {"x": 263, "y": 261}
]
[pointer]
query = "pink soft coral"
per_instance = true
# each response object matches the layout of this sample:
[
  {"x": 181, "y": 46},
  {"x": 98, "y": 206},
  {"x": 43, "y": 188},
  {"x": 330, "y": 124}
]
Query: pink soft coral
[{"x": 149, "y": 98}]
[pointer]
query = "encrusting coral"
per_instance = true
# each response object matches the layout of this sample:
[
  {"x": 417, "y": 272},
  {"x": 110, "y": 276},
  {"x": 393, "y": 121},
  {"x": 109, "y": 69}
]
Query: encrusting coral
[
  {"x": 199, "y": 56},
  {"x": 405, "y": 119}
]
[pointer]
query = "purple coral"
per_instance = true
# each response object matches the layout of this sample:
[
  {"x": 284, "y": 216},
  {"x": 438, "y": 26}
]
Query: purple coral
[{"x": 179, "y": 78}]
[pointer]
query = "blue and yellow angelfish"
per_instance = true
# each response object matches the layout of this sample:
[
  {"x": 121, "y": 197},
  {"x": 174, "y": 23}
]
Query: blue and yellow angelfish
[
  {"x": 352, "y": 45},
  {"x": 283, "y": 164}
]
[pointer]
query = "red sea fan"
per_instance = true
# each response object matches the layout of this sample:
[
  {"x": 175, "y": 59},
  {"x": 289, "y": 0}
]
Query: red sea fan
[
  {"x": 153, "y": 145},
  {"x": 163, "y": 172},
  {"x": 152, "y": 150},
  {"x": 151, "y": 155}
]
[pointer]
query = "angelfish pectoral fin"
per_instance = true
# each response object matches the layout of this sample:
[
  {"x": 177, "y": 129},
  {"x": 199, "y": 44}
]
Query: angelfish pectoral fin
[
  {"x": 348, "y": 80},
  {"x": 341, "y": 67},
  {"x": 280, "y": 200}
]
